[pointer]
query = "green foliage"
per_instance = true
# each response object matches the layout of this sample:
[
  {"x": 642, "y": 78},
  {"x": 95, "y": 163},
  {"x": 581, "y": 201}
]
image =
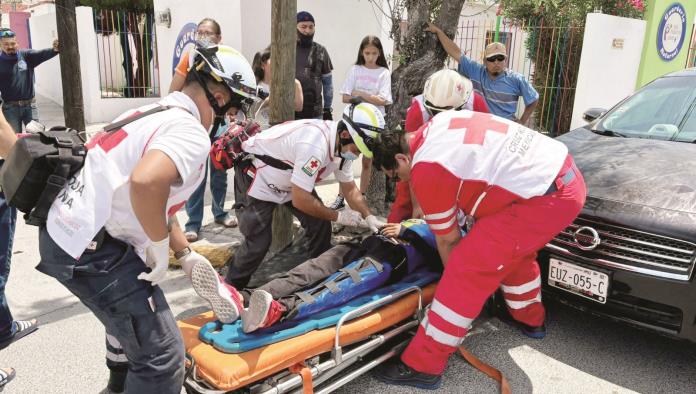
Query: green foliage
[
  {"x": 118, "y": 5},
  {"x": 571, "y": 11}
]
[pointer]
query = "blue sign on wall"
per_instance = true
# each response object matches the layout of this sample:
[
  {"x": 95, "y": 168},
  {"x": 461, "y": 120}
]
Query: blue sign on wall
[
  {"x": 186, "y": 38},
  {"x": 671, "y": 32}
]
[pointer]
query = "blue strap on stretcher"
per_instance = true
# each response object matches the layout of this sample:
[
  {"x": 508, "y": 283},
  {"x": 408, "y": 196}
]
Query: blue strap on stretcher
[
  {"x": 369, "y": 278},
  {"x": 230, "y": 338}
]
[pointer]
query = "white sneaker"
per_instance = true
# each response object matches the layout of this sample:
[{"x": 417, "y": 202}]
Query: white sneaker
[{"x": 225, "y": 300}]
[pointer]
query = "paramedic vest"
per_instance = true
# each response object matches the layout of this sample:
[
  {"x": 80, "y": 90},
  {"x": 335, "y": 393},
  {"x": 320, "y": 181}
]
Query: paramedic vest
[{"x": 487, "y": 149}]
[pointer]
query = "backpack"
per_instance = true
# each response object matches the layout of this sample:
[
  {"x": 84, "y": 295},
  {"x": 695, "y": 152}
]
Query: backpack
[
  {"x": 227, "y": 151},
  {"x": 41, "y": 164}
]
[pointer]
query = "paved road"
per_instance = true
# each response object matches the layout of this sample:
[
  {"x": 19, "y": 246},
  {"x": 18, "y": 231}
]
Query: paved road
[{"x": 581, "y": 354}]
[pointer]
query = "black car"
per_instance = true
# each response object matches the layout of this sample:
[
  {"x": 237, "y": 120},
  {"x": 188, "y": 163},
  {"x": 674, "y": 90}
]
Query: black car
[{"x": 630, "y": 254}]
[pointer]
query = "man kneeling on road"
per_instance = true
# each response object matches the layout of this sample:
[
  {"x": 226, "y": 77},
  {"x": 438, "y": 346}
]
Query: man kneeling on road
[
  {"x": 106, "y": 238},
  {"x": 282, "y": 166},
  {"x": 518, "y": 189}
]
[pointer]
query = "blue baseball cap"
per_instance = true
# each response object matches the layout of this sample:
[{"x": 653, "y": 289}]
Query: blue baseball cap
[{"x": 304, "y": 16}]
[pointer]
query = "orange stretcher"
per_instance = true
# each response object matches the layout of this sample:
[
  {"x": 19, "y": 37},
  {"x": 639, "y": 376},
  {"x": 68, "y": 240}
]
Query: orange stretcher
[{"x": 311, "y": 361}]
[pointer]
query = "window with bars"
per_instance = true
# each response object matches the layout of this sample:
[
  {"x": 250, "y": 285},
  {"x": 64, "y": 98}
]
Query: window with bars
[{"x": 127, "y": 51}]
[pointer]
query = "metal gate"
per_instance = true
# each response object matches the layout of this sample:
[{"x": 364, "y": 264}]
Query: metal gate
[
  {"x": 127, "y": 51},
  {"x": 547, "y": 55}
]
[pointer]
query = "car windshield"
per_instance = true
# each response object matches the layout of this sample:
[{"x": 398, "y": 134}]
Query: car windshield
[{"x": 665, "y": 109}]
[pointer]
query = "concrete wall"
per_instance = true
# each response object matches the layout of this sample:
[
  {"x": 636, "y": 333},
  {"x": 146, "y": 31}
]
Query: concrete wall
[
  {"x": 246, "y": 26},
  {"x": 43, "y": 32},
  {"x": 226, "y": 13},
  {"x": 609, "y": 62},
  {"x": 652, "y": 65}
]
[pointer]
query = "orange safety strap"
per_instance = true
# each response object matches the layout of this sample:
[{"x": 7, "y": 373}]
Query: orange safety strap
[
  {"x": 306, "y": 373},
  {"x": 487, "y": 369}
]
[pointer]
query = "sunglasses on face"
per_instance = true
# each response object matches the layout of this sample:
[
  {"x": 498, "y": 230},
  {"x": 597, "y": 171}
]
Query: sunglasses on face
[
  {"x": 7, "y": 33},
  {"x": 496, "y": 58}
]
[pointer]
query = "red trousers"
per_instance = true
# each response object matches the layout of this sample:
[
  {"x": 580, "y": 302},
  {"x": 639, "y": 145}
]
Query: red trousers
[
  {"x": 401, "y": 209},
  {"x": 499, "y": 251}
]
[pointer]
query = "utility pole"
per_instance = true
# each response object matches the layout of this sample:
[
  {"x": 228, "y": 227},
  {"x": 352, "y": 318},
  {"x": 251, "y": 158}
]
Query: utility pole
[
  {"x": 283, "y": 43},
  {"x": 73, "y": 107}
]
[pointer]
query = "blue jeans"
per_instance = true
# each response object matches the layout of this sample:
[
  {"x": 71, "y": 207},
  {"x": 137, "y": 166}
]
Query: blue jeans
[
  {"x": 18, "y": 115},
  {"x": 194, "y": 205},
  {"x": 8, "y": 219}
]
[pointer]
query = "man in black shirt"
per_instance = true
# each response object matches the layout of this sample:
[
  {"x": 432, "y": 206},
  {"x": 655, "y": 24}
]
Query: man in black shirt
[{"x": 313, "y": 70}]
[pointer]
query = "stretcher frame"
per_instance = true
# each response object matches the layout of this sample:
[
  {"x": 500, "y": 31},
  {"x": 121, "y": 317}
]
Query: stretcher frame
[{"x": 330, "y": 374}]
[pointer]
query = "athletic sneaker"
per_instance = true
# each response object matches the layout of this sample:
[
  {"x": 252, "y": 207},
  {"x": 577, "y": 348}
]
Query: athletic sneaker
[
  {"x": 339, "y": 203},
  {"x": 225, "y": 300},
  {"x": 395, "y": 372},
  {"x": 263, "y": 311}
]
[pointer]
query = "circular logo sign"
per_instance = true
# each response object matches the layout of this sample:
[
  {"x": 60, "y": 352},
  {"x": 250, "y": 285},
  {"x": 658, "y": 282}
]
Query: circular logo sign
[
  {"x": 185, "y": 40},
  {"x": 671, "y": 32}
]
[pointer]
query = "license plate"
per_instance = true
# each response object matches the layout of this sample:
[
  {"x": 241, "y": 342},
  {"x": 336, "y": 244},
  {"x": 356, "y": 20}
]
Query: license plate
[{"x": 579, "y": 280}]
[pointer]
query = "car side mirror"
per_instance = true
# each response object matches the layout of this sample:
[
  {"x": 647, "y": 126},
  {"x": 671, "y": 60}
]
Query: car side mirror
[{"x": 593, "y": 113}]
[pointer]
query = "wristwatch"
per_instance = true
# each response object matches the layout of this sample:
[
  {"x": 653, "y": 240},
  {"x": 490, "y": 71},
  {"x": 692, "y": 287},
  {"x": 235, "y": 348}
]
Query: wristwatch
[{"x": 182, "y": 253}]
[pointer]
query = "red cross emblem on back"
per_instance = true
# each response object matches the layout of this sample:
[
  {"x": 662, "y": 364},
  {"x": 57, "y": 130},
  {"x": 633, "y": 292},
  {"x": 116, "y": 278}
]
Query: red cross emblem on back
[
  {"x": 477, "y": 126},
  {"x": 314, "y": 164}
]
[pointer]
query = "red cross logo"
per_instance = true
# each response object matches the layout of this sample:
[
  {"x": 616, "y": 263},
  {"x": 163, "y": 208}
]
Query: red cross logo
[
  {"x": 314, "y": 164},
  {"x": 477, "y": 126}
]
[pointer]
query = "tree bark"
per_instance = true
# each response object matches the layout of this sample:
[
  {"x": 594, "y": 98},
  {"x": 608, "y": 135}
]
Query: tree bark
[
  {"x": 421, "y": 55},
  {"x": 73, "y": 108},
  {"x": 283, "y": 37}
]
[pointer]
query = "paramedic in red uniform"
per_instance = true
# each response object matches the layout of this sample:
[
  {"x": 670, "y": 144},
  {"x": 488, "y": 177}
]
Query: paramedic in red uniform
[
  {"x": 514, "y": 189},
  {"x": 444, "y": 90}
]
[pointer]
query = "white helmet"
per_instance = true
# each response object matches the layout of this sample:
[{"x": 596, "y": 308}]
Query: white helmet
[
  {"x": 445, "y": 90},
  {"x": 364, "y": 122},
  {"x": 225, "y": 65}
]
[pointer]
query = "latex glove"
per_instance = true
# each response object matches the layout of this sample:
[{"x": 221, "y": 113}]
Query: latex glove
[
  {"x": 157, "y": 256},
  {"x": 348, "y": 217},
  {"x": 374, "y": 224}
]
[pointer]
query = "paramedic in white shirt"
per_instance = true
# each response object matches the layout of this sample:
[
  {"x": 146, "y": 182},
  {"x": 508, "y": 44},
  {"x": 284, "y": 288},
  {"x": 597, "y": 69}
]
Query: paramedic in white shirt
[
  {"x": 311, "y": 150},
  {"x": 107, "y": 237}
]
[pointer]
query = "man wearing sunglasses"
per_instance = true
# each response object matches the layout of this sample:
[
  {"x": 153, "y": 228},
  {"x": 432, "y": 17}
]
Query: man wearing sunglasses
[
  {"x": 500, "y": 87},
  {"x": 17, "y": 78},
  {"x": 282, "y": 166}
]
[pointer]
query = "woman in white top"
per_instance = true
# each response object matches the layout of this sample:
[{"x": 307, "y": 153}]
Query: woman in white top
[
  {"x": 262, "y": 70},
  {"x": 369, "y": 80}
]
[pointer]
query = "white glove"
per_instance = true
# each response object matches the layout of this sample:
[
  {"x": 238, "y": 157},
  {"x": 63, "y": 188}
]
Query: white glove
[
  {"x": 374, "y": 224},
  {"x": 157, "y": 256},
  {"x": 348, "y": 217}
]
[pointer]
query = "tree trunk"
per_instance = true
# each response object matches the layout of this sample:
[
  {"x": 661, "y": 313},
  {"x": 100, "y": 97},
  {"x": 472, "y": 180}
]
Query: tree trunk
[
  {"x": 70, "y": 65},
  {"x": 283, "y": 26},
  {"x": 421, "y": 55}
]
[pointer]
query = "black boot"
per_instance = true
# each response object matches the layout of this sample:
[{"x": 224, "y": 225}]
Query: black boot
[
  {"x": 395, "y": 372},
  {"x": 117, "y": 380}
]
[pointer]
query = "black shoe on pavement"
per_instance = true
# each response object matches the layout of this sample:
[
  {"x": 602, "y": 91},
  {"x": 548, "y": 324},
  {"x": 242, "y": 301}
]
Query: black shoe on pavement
[
  {"x": 339, "y": 203},
  {"x": 530, "y": 331},
  {"x": 117, "y": 380},
  {"x": 395, "y": 372}
]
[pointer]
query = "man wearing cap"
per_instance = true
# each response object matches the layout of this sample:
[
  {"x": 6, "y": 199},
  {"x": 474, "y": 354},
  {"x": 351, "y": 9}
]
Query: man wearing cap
[
  {"x": 17, "y": 78},
  {"x": 313, "y": 70},
  {"x": 499, "y": 86}
]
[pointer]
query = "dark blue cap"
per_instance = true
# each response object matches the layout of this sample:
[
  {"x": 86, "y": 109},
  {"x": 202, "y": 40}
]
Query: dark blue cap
[{"x": 304, "y": 16}]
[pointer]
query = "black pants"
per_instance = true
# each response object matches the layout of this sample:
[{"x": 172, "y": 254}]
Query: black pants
[
  {"x": 141, "y": 331},
  {"x": 255, "y": 218}
]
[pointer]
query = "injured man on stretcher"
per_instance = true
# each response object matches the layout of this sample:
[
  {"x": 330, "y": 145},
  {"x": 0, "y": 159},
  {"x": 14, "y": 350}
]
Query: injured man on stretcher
[{"x": 339, "y": 275}]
